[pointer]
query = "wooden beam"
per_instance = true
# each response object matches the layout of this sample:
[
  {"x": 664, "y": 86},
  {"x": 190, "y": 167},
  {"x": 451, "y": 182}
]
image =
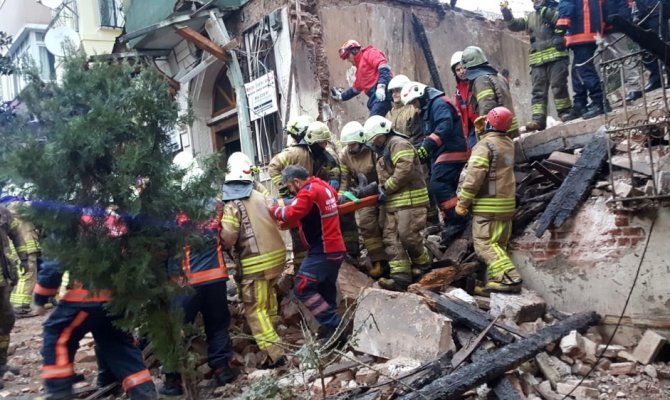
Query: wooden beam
[
  {"x": 494, "y": 365},
  {"x": 203, "y": 43}
]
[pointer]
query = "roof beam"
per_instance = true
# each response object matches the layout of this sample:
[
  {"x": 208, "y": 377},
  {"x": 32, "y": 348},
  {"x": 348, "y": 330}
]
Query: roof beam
[{"x": 203, "y": 43}]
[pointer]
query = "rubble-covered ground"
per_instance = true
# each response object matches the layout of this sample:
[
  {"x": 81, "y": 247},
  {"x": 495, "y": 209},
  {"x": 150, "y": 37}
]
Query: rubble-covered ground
[{"x": 622, "y": 373}]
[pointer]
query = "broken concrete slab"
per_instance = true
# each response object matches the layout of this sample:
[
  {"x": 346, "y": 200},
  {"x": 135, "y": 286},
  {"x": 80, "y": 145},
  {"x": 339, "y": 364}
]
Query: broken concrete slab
[
  {"x": 390, "y": 324},
  {"x": 366, "y": 376},
  {"x": 648, "y": 347},
  {"x": 460, "y": 294},
  {"x": 623, "y": 368},
  {"x": 577, "y": 391},
  {"x": 351, "y": 282},
  {"x": 572, "y": 345},
  {"x": 527, "y": 306}
]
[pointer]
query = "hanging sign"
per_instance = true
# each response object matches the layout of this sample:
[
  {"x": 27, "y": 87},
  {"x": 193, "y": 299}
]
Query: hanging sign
[{"x": 262, "y": 96}]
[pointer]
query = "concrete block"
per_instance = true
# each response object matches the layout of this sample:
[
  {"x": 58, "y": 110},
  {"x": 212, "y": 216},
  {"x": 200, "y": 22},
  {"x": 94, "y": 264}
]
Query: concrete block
[
  {"x": 649, "y": 346},
  {"x": 351, "y": 282},
  {"x": 524, "y": 307},
  {"x": 626, "y": 356},
  {"x": 393, "y": 324},
  {"x": 623, "y": 368},
  {"x": 460, "y": 294},
  {"x": 580, "y": 392},
  {"x": 581, "y": 369},
  {"x": 590, "y": 349},
  {"x": 366, "y": 377},
  {"x": 572, "y": 345},
  {"x": 610, "y": 351}
]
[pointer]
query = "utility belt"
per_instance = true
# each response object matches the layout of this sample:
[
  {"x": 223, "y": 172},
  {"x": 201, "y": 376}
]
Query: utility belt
[{"x": 453, "y": 156}]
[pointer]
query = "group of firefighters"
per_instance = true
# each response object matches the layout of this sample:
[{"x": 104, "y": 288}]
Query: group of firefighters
[{"x": 418, "y": 151}]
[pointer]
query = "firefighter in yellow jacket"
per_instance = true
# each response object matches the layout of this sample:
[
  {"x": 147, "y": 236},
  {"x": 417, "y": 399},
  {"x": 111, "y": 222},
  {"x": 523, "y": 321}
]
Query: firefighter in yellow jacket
[
  {"x": 259, "y": 250},
  {"x": 489, "y": 189},
  {"x": 403, "y": 191},
  {"x": 406, "y": 119},
  {"x": 357, "y": 165},
  {"x": 310, "y": 151},
  {"x": 27, "y": 249}
]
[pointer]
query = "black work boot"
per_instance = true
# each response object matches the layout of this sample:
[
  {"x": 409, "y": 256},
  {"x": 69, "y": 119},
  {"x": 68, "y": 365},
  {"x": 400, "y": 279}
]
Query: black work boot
[
  {"x": 576, "y": 112},
  {"x": 597, "y": 109},
  {"x": 225, "y": 375},
  {"x": 396, "y": 282},
  {"x": 171, "y": 385}
]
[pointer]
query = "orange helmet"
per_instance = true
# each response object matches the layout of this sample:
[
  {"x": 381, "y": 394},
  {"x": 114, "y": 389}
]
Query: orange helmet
[
  {"x": 346, "y": 48},
  {"x": 499, "y": 119}
]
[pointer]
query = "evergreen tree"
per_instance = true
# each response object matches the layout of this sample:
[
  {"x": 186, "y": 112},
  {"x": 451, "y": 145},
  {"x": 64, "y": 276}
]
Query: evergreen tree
[{"x": 95, "y": 154}]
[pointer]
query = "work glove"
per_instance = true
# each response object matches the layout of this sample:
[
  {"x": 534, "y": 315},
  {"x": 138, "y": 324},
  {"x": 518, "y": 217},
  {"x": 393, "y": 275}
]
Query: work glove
[
  {"x": 380, "y": 93},
  {"x": 461, "y": 211},
  {"x": 336, "y": 93},
  {"x": 505, "y": 10},
  {"x": 381, "y": 197},
  {"x": 480, "y": 124},
  {"x": 558, "y": 43},
  {"x": 334, "y": 183},
  {"x": 23, "y": 267},
  {"x": 422, "y": 152}
]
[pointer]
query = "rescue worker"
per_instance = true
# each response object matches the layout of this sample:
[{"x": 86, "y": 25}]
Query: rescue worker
[
  {"x": 548, "y": 60},
  {"x": 27, "y": 247},
  {"x": 203, "y": 268},
  {"x": 79, "y": 312},
  {"x": 468, "y": 114},
  {"x": 405, "y": 118},
  {"x": 580, "y": 21},
  {"x": 488, "y": 189},
  {"x": 652, "y": 15},
  {"x": 404, "y": 194},
  {"x": 618, "y": 45},
  {"x": 357, "y": 160},
  {"x": 445, "y": 146},
  {"x": 8, "y": 279},
  {"x": 373, "y": 74},
  {"x": 259, "y": 252},
  {"x": 314, "y": 209},
  {"x": 313, "y": 155},
  {"x": 488, "y": 89}
]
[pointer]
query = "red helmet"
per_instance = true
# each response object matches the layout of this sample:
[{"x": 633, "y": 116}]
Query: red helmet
[
  {"x": 346, "y": 48},
  {"x": 499, "y": 119}
]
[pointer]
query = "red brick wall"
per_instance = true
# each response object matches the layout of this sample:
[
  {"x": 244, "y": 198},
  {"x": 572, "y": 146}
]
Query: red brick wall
[{"x": 594, "y": 234}]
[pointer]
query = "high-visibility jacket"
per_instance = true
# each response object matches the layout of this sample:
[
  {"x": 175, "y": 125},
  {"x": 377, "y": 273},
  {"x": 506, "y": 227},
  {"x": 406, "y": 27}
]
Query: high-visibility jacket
[
  {"x": 443, "y": 130},
  {"x": 372, "y": 68},
  {"x": 352, "y": 164},
  {"x": 400, "y": 174},
  {"x": 406, "y": 119},
  {"x": 489, "y": 185},
  {"x": 324, "y": 165},
  {"x": 49, "y": 279},
  {"x": 468, "y": 114},
  {"x": 540, "y": 27},
  {"x": 315, "y": 209},
  {"x": 582, "y": 19},
  {"x": 18, "y": 238},
  {"x": 489, "y": 90},
  {"x": 249, "y": 230}
]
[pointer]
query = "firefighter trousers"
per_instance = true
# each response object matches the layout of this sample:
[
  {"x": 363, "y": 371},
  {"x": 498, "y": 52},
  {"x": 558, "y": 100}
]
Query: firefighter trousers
[
  {"x": 210, "y": 300},
  {"x": 490, "y": 238},
  {"x": 404, "y": 241},
  {"x": 260, "y": 310},
  {"x": 316, "y": 287},
  {"x": 63, "y": 330},
  {"x": 552, "y": 75},
  {"x": 350, "y": 234},
  {"x": 585, "y": 78},
  {"x": 6, "y": 322},
  {"x": 23, "y": 292},
  {"x": 370, "y": 222}
]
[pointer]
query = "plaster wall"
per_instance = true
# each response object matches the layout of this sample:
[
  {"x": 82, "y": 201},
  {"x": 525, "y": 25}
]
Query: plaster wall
[
  {"x": 94, "y": 38},
  {"x": 14, "y": 14}
]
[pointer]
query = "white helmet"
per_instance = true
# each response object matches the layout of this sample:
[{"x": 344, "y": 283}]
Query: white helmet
[
  {"x": 297, "y": 126},
  {"x": 375, "y": 126},
  {"x": 352, "y": 132},
  {"x": 398, "y": 82},
  {"x": 239, "y": 168},
  {"x": 412, "y": 91},
  {"x": 183, "y": 159},
  {"x": 456, "y": 58},
  {"x": 317, "y": 131}
]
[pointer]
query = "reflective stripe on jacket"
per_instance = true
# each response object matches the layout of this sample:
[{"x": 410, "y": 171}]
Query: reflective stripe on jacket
[
  {"x": 582, "y": 19},
  {"x": 488, "y": 91},
  {"x": 249, "y": 230},
  {"x": 540, "y": 25},
  {"x": 352, "y": 164},
  {"x": 400, "y": 173},
  {"x": 489, "y": 185},
  {"x": 325, "y": 166}
]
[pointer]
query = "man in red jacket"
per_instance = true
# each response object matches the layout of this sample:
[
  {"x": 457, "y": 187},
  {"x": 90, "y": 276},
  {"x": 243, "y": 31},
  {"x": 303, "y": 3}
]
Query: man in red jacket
[
  {"x": 314, "y": 209},
  {"x": 373, "y": 74},
  {"x": 468, "y": 114}
]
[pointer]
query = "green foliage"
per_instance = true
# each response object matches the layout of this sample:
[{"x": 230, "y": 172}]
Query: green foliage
[
  {"x": 267, "y": 387},
  {"x": 6, "y": 65},
  {"x": 99, "y": 139}
]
